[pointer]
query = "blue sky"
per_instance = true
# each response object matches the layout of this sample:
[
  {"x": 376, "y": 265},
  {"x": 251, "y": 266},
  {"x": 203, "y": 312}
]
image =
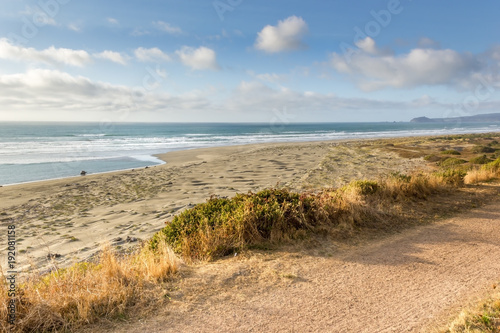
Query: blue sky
[{"x": 241, "y": 60}]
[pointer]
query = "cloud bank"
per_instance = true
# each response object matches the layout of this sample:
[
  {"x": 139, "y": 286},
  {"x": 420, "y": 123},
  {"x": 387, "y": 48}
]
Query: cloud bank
[
  {"x": 51, "y": 55},
  {"x": 373, "y": 69}
]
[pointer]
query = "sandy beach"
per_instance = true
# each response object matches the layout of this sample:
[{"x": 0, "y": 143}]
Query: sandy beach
[{"x": 63, "y": 221}]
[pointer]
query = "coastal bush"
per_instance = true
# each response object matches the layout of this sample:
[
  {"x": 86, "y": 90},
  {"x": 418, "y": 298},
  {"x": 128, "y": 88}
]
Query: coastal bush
[
  {"x": 432, "y": 158},
  {"x": 363, "y": 187},
  {"x": 222, "y": 226},
  {"x": 453, "y": 176},
  {"x": 483, "y": 149},
  {"x": 493, "y": 165},
  {"x": 452, "y": 161},
  {"x": 451, "y": 152},
  {"x": 480, "y": 160},
  {"x": 400, "y": 176}
]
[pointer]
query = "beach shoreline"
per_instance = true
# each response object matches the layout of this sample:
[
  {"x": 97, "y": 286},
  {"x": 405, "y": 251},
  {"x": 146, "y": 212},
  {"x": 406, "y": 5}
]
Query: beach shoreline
[
  {"x": 165, "y": 158},
  {"x": 22, "y": 161}
]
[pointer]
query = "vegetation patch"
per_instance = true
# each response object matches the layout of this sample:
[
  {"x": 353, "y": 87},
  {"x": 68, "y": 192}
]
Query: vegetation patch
[
  {"x": 484, "y": 318},
  {"x": 480, "y": 160},
  {"x": 363, "y": 187},
  {"x": 432, "y": 158},
  {"x": 483, "y": 149},
  {"x": 451, "y": 152},
  {"x": 483, "y": 173},
  {"x": 85, "y": 293},
  {"x": 452, "y": 161},
  {"x": 222, "y": 226}
]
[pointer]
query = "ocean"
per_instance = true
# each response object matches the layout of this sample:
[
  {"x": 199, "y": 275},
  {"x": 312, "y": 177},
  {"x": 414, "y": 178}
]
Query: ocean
[{"x": 39, "y": 151}]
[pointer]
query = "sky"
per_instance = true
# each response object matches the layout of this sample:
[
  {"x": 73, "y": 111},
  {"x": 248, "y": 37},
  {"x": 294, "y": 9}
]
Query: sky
[{"x": 248, "y": 61}]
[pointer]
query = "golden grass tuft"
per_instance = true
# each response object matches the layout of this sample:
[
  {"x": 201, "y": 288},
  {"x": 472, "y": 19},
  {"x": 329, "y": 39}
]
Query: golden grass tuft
[
  {"x": 484, "y": 173},
  {"x": 88, "y": 292},
  {"x": 484, "y": 318},
  {"x": 479, "y": 175}
]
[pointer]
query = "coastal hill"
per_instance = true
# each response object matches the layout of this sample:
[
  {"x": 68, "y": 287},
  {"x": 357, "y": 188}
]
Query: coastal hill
[{"x": 479, "y": 118}]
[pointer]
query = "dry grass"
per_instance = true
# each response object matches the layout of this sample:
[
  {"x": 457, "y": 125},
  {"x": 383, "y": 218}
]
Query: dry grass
[
  {"x": 484, "y": 173},
  {"x": 475, "y": 176},
  {"x": 88, "y": 292},
  {"x": 485, "y": 318}
]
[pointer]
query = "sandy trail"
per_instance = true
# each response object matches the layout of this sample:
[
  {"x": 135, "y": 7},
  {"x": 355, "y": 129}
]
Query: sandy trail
[{"x": 408, "y": 282}]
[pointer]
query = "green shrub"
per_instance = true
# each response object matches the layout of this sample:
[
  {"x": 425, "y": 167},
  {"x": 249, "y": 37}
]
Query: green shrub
[
  {"x": 452, "y": 176},
  {"x": 483, "y": 149},
  {"x": 452, "y": 161},
  {"x": 364, "y": 187},
  {"x": 400, "y": 176},
  {"x": 480, "y": 160},
  {"x": 432, "y": 158},
  {"x": 493, "y": 165},
  {"x": 222, "y": 226}
]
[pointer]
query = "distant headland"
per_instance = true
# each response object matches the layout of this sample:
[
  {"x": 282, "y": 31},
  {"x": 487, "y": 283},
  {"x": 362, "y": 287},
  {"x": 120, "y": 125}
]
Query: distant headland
[{"x": 479, "y": 118}]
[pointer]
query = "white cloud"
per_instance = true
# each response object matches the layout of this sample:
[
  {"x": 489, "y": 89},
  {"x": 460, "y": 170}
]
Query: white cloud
[
  {"x": 271, "y": 77},
  {"x": 50, "y": 55},
  {"x": 49, "y": 92},
  {"x": 38, "y": 16},
  {"x": 74, "y": 27},
  {"x": 201, "y": 58},
  {"x": 167, "y": 27},
  {"x": 111, "y": 56},
  {"x": 137, "y": 32},
  {"x": 286, "y": 36},
  {"x": 151, "y": 55},
  {"x": 373, "y": 70},
  {"x": 268, "y": 77},
  {"x": 112, "y": 20},
  {"x": 256, "y": 97},
  {"x": 368, "y": 45}
]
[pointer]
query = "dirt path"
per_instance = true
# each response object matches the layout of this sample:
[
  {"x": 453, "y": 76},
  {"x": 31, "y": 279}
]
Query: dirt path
[{"x": 407, "y": 282}]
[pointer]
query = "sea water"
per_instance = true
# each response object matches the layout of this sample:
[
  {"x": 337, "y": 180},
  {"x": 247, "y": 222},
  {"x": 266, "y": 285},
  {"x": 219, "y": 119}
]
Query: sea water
[{"x": 39, "y": 151}]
